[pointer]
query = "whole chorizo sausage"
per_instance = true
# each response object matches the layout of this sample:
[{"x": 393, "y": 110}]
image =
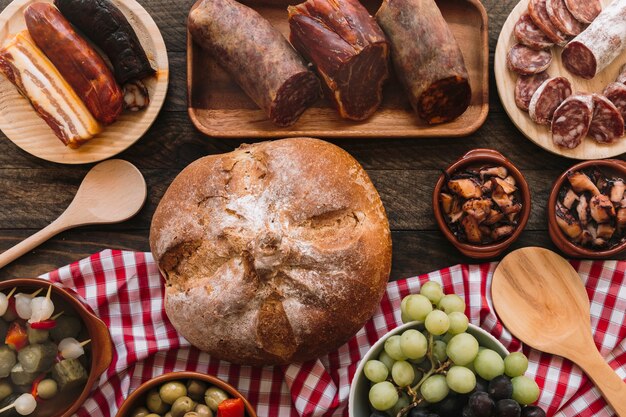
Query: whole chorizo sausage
[
  {"x": 76, "y": 60},
  {"x": 427, "y": 58},
  {"x": 257, "y": 56}
]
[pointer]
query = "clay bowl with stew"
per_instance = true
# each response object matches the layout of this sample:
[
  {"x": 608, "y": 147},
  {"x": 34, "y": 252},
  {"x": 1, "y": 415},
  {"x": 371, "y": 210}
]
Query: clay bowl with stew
[
  {"x": 609, "y": 167},
  {"x": 475, "y": 159},
  {"x": 137, "y": 398},
  {"x": 98, "y": 353}
]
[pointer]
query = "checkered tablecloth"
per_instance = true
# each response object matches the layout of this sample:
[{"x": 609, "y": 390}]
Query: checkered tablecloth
[{"x": 126, "y": 291}]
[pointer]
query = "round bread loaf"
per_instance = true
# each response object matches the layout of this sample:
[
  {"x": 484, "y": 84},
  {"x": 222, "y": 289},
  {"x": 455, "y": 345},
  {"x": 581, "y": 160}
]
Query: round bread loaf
[{"x": 274, "y": 253}]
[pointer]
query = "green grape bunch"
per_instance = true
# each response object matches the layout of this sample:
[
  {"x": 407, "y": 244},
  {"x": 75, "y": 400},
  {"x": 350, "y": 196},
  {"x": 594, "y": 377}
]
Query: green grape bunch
[{"x": 443, "y": 370}]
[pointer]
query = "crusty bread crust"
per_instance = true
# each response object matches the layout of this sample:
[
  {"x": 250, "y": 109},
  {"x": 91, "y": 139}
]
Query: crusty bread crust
[{"x": 274, "y": 253}]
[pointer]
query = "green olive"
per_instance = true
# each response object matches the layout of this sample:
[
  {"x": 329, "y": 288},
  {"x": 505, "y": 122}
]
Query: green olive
[
  {"x": 191, "y": 414},
  {"x": 203, "y": 411},
  {"x": 213, "y": 397},
  {"x": 196, "y": 389},
  {"x": 155, "y": 403},
  {"x": 153, "y": 415},
  {"x": 172, "y": 391},
  {"x": 140, "y": 412},
  {"x": 47, "y": 389},
  {"x": 168, "y": 414},
  {"x": 181, "y": 406},
  {"x": 5, "y": 389}
]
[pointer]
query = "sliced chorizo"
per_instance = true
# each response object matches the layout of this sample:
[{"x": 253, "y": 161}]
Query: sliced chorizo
[
  {"x": 584, "y": 10},
  {"x": 547, "y": 98},
  {"x": 607, "y": 124},
  {"x": 529, "y": 34},
  {"x": 526, "y": 86},
  {"x": 257, "y": 56},
  {"x": 539, "y": 14},
  {"x": 526, "y": 61},
  {"x": 562, "y": 19},
  {"x": 572, "y": 120},
  {"x": 616, "y": 93},
  {"x": 598, "y": 45}
]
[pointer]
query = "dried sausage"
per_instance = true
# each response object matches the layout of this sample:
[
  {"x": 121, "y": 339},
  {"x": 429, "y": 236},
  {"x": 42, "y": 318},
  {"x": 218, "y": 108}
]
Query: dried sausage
[
  {"x": 432, "y": 69},
  {"x": 526, "y": 86},
  {"x": 348, "y": 50},
  {"x": 572, "y": 120},
  {"x": 50, "y": 95},
  {"x": 616, "y": 93},
  {"x": 584, "y": 10},
  {"x": 562, "y": 19},
  {"x": 539, "y": 14},
  {"x": 547, "y": 98},
  {"x": 526, "y": 61},
  {"x": 607, "y": 123},
  {"x": 257, "y": 56},
  {"x": 598, "y": 45},
  {"x": 529, "y": 34},
  {"x": 76, "y": 60},
  {"x": 106, "y": 26}
]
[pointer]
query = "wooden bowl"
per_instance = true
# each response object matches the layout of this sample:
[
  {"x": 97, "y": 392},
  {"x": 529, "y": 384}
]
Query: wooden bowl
[
  {"x": 100, "y": 349},
  {"x": 474, "y": 158},
  {"x": 138, "y": 397},
  {"x": 558, "y": 238}
]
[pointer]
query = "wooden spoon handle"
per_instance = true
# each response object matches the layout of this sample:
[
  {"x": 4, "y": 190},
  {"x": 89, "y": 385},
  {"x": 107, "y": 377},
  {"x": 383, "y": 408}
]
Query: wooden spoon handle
[
  {"x": 604, "y": 377},
  {"x": 33, "y": 241}
]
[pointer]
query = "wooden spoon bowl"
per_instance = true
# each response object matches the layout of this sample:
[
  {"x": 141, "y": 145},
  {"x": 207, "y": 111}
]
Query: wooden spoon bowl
[{"x": 541, "y": 299}]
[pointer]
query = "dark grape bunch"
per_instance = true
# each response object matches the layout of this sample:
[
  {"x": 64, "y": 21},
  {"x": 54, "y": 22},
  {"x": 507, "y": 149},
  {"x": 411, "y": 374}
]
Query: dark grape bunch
[{"x": 443, "y": 371}]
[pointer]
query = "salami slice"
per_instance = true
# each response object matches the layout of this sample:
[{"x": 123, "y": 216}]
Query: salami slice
[
  {"x": 526, "y": 61},
  {"x": 561, "y": 17},
  {"x": 598, "y": 45},
  {"x": 616, "y": 92},
  {"x": 584, "y": 11},
  {"x": 607, "y": 124},
  {"x": 539, "y": 13},
  {"x": 526, "y": 86},
  {"x": 621, "y": 78},
  {"x": 547, "y": 98},
  {"x": 529, "y": 34},
  {"x": 572, "y": 120}
]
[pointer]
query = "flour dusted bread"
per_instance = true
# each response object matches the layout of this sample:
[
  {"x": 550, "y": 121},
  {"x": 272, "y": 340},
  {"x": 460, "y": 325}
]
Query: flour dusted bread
[{"x": 274, "y": 253}]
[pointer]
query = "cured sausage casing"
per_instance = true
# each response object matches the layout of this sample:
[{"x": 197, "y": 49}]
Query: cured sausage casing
[
  {"x": 348, "y": 49},
  {"x": 257, "y": 56},
  {"x": 427, "y": 58},
  {"x": 76, "y": 60},
  {"x": 51, "y": 96}
]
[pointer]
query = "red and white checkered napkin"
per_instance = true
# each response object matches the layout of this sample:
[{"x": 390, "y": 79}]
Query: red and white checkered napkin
[{"x": 126, "y": 291}]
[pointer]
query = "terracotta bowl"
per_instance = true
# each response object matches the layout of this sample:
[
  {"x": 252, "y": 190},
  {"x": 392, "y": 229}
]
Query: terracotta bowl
[
  {"x": 558, "y": 238},
  {"x": 99, "y": 352},
  {"x": 138, "y": 397},
  {"x": 473, "y": 158}
]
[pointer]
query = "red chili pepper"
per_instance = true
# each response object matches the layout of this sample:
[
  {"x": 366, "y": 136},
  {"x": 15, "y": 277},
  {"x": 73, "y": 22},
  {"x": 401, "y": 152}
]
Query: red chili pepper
[
  {"x": 16, "y": 336},
  {"x": 36, "y": 382},
  {"x": 232, "y": 407},
  {"x": 44, "y": 325}
]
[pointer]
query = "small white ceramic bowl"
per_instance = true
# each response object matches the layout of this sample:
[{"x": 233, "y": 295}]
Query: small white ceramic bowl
[{"x": 358, "y": 404}]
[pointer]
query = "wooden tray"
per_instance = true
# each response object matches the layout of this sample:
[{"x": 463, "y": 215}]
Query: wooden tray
[
  {"x": 541, "y": 135},
  {"x": 26, "y": 129},
  {"x": 218, "y": 107}
]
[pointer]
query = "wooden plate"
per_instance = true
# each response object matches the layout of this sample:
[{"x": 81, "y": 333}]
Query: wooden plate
[
  {"x": 218, "y": 107},
  {"x": 541, "y": 135},
  {"x": 26, "y": 129}
]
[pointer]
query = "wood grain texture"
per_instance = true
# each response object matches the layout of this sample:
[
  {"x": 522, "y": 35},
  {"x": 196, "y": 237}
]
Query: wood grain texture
[
  {"x": 26, "y": 129},
  {"x": 33, "y": 192},
  {"x": 540, "y": 134},
  {"x": 219, "y": 107},
  {"x": 541, "y": 299}
]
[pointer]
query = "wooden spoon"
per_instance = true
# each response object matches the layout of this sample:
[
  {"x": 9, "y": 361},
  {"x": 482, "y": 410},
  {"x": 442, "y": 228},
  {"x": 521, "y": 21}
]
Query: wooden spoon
[
  {"x": 542, "y": 301},
  {"x": 111, "y": 192}
]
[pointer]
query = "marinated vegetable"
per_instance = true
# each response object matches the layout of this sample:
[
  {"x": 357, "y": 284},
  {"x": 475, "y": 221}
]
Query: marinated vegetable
[{"x": 69, "y": 374}]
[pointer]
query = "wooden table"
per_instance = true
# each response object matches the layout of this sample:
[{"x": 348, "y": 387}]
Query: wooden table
[{"x": 34, "y": 192}]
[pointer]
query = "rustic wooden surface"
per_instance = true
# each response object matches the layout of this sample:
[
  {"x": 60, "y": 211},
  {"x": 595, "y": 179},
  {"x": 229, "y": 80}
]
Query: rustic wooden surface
[{"x": 34, "y": 192}]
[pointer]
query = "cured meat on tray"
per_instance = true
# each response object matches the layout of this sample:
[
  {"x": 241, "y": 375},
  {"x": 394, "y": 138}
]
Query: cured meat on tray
[
  {"x": 432, "y": 69},
  {"x": 539, "y": 14},
  {"x": 562, "y": 18},
  {"x": 572, "y": 120},
  {"x": 526, "y": 61},
  {"x": 529, "y": 34},
  {"x": 547, "y": 98},
  {"x": 347, "y": 48},
  {"x": 607, "y": 124},
  {"x": 526, "y": 86},
  {"x": 616, "y": 92},
  {"x": 50, "y": 95},
  {"x": 584, "y": 10},
  {"x": 257, "y": 56},
  {"x": 598, "y": 45},
  {"x": 81, "y": 66}
]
